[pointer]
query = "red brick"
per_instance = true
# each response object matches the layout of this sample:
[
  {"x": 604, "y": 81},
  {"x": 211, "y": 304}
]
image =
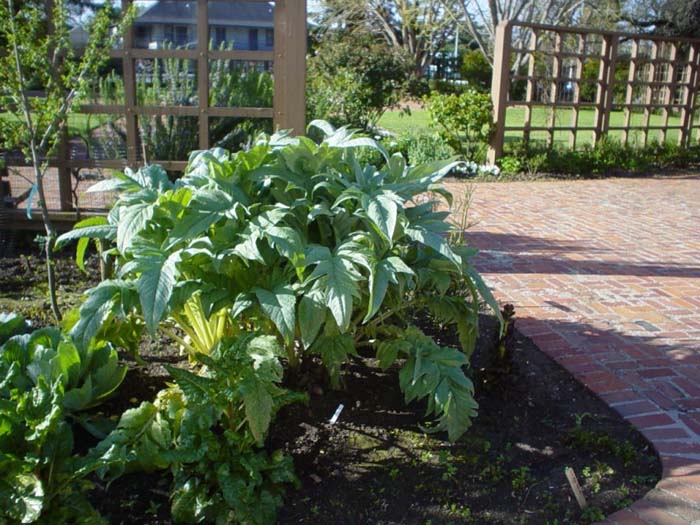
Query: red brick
[
  {"x": 612, "y": 398},
  {"x": 680, "y": 489},
  {"x": 692, "y": 421},
  {"x": 626, "y": 517},
  {"x": 689, "y": 404},
  {"x": 677, "y": 447},
  {"x": 609, "y": 263},
  {"x": 691, "y": 389},
  {"x": 656, "y": 372},
  {"x": 651, "y": 421},
  {"x": 654, "y": 434},
  {"x": 634, "y": 408},
  {"x": 655, "y": 515},
  {"x": 661, "y": 400}
]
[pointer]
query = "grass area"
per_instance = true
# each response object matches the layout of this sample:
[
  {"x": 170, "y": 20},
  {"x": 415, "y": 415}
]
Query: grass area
[
  {"x": 397, "y": 122},
  {"x": 78, "y": 123}
]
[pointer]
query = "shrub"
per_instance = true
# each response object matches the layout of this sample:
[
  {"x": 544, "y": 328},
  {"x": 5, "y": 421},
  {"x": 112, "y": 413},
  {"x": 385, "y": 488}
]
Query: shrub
[
  {"x": 300, "y": 240},
  {"x": 606, "y": 156},
  {"x": 353, "y": 79},
  {"x": 465, "y": 121},
  {"x": 476, "y": 70},
  {"x": 421, "y": 146}
]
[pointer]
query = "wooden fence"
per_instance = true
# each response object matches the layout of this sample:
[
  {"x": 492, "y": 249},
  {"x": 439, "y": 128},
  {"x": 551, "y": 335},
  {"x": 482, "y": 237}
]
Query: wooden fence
[
  {"x": 287, "y": 57},
  {"x": 574, "y": 86}
]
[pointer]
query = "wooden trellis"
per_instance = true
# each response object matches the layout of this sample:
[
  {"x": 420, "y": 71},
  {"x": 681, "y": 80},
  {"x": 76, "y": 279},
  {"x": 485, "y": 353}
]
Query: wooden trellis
[
  {"x": 650, "y": 81},
  {"x": 287, "y": 112}
]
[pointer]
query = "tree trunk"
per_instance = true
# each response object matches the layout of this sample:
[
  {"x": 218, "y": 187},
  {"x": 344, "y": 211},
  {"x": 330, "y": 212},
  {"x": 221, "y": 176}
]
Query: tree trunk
[{"x": 50, "y": 237}]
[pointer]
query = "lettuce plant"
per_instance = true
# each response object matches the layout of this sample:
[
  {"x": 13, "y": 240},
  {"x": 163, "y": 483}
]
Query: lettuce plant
[
  {"x": 11, "y": 324},
  {"x": 43, "y": 379},
  {"x": 41, "y": 481},
  {"x": 300, "y": 240},
  {"x": 87, "y": 376}
]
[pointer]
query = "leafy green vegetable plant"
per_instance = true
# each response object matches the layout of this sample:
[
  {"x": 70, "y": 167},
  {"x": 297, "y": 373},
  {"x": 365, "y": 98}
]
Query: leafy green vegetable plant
[
  {"x": 208, "y": 430},
  {"x": 44, "y": 378},
  {"x": 41, "y": 481},
  {"x": 300, "y": 240},
  {"x": 86, "y": 376},
  {"x": 11, "y": 324}
]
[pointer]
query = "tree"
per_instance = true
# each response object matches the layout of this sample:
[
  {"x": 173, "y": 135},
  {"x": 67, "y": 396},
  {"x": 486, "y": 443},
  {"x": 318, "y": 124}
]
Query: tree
[
  {"x": 353, "y": 78},
  {"x": 36, "y": 37},
  {"x": 670, "y": 17},
  {"x": 417, "y": 28},
  {"x": 481, "y": 17}
]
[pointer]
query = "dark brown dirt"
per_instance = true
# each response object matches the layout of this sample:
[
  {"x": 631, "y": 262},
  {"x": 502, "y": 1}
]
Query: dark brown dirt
[{"x": 376, "y": 466}]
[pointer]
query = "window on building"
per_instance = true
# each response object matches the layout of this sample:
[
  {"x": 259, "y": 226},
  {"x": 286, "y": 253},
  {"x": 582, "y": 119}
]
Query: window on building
[
  {"x": 219, "y": 37},
  {"x": 142, "y": 34},
  {"x": 169, "y": 33},
  {"x": 269, "y": 38},
  {"x": 253, "y": 39},
  {"x": 180, "y": 35}
]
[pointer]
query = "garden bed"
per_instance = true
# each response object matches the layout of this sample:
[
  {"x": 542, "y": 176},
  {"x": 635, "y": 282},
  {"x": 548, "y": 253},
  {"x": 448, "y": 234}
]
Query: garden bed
[{"x": 375, "y": 465}]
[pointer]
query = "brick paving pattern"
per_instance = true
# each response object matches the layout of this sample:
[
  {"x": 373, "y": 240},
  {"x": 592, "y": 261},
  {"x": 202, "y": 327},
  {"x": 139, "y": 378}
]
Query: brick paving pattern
[
  {"x": 21, "y": 179},
  {"x": 605, "y": 278}
]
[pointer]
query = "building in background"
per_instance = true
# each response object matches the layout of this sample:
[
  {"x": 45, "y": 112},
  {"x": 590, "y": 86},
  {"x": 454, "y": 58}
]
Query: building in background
[{"x": 238, "y": 25}]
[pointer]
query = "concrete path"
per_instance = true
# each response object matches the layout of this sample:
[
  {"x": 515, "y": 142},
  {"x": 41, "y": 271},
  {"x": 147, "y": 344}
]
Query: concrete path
[{"x": 605, "y": 278}]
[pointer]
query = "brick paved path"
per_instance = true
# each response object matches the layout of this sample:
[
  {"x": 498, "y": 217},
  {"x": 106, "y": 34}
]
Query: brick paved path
[{"x": 605, "y": 278}]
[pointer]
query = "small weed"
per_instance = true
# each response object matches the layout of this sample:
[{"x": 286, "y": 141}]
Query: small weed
[
  {"x": 595, "y": 475},
  {"x": 642, "y": 480},
  {"x": 446, "y": 459},
  {"x": 521, "y": 478},
  {"x": 153, "y": 508},
  {"x": 591, "y": 515},
  {"x": 599, "y": 442},
  {"x": 461, "y": 511},
  {"x": 624, "y": 499},
  {"x": 494, "y": 472}
]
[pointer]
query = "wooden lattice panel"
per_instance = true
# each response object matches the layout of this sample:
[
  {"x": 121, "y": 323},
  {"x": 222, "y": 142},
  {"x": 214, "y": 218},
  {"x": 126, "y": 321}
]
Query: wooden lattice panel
[{"x": 574, "y": 86}]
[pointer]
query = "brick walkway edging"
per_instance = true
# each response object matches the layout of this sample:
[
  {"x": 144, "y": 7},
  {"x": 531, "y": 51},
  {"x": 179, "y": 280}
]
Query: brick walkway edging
[{"x": 679, "y": 488}]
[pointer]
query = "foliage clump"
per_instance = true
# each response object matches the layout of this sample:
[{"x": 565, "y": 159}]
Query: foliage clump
[
  {"x": 299, "y": 240},
  {"x": 45, "y": 380},
  {"x": 465, "y": 121},
  {"x": 255, "y": 263},
  {"x": 353, "y": 78}
]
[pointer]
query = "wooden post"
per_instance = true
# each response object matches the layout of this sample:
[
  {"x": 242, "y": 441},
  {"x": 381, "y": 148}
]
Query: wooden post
[
  {"x": 576, "y": 100},
  {"x": 669, "y": 90},
  {"x": 629, "y": 90},
  {"x": 130, "y": 93},
  {"x": 203, "y": 71},
  {"x": 499, "y": 88},
  {"x": 649, "y": 90},
  {"x": 290, "y": 65},
  {"x": 689, "y": 91},
  {"x": 609, "y": 79},
  {"x": 65, "y": 200},
  {"x": 554, "y": 87},
  {"x": 530, "y": 91}
]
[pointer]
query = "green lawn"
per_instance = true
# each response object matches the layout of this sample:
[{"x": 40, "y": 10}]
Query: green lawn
[
  {"x": 78, "y": 124},
  {"x": 397, "y": 122}
]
